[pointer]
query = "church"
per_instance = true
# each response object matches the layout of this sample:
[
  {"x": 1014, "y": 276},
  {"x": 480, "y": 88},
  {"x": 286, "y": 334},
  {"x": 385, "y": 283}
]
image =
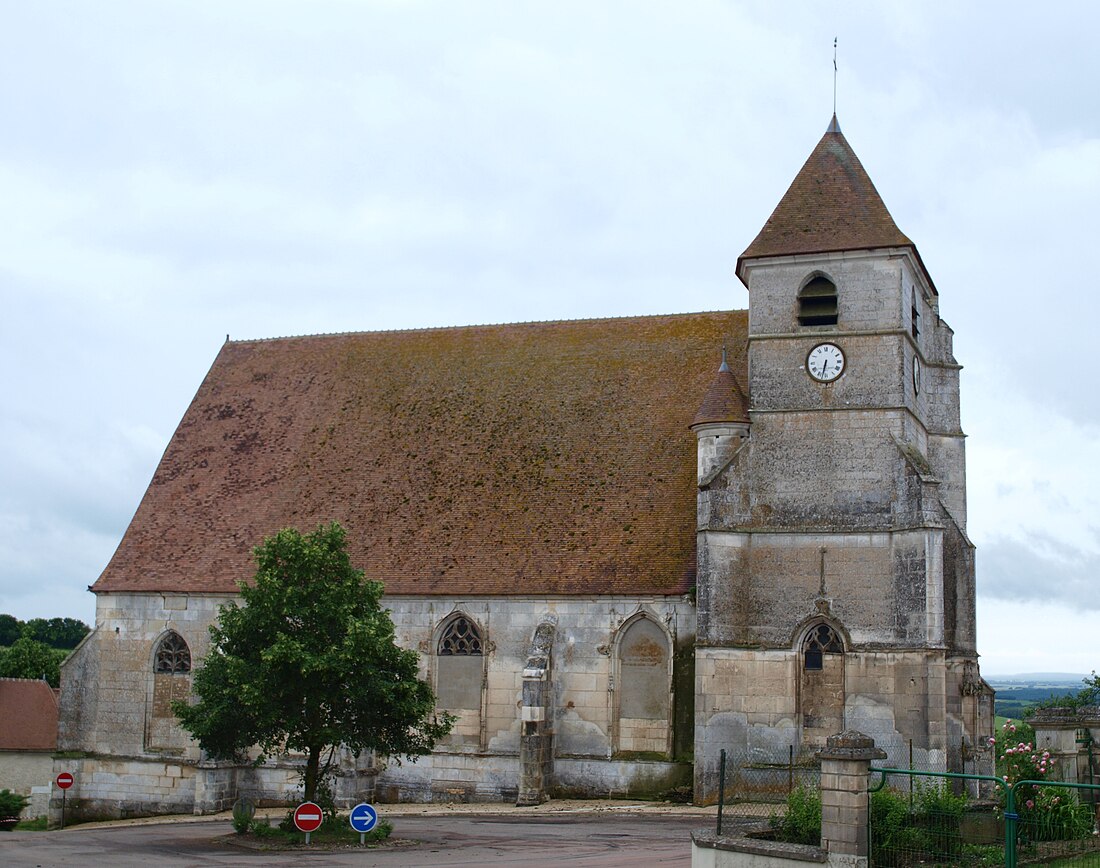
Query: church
[{"x": 619, "y": 546}]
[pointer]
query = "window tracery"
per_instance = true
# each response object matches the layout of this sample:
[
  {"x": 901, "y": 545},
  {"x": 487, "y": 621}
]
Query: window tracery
[
  {"x": 460, "y": 639},
  {"x": 173, "y": 657},
  {"x": 821, "y": 640}
]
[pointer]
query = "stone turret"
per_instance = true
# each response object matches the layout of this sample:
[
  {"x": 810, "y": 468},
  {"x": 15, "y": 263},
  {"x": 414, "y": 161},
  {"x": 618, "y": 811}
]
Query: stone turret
[{"x": 722, "y": 423}]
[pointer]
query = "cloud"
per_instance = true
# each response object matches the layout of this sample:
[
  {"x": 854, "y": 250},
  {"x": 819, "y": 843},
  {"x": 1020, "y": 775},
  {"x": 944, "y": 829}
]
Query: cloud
[{"x": 1039, "y": 568}]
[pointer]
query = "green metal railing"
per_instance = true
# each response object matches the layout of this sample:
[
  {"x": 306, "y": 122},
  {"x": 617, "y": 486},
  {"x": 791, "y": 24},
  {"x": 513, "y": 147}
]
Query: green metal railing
[{"x": 1011, "y": 812}]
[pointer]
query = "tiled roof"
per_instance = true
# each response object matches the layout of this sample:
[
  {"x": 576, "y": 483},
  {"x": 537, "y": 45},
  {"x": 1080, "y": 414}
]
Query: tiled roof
[
  {"x": 830, "y": 206},
  {"x": 539, "y": 458},
  {"x": 724, "y": 400},
  {"x": 28, "y": 715}
]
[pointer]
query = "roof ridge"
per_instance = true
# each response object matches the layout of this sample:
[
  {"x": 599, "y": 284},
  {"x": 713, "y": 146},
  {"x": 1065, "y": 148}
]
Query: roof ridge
[{"x": 486, "y": 325}]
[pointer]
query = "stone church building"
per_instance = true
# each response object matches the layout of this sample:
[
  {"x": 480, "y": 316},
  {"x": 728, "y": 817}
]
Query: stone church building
[{"x": 619, "y": 546}]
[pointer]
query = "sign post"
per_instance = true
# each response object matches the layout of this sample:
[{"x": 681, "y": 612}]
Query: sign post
[
  {"x": 363, "y": 818},
  {"x": 64, "y": 780},
  {"x": 308, "y": 817}
]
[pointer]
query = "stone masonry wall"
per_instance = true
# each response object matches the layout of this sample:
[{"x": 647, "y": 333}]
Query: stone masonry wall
[
  {"x": 882, "y": 587},
  {"x": 108, "y": 692}
]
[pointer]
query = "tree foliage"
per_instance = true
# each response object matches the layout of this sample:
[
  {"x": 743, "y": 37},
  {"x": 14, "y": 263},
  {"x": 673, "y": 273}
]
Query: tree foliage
[
  {"x": 56, "y": 632},
  {"x": 11, "y": 628},
  {"x": 27, "y": 658},
  {"x": 309, "y": 662}
]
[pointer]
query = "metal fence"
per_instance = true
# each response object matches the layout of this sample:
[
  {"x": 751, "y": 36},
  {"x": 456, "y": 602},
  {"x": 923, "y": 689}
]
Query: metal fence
[
  {"x": 927, "y": 818},
  {"x": 757, "y": 785}
]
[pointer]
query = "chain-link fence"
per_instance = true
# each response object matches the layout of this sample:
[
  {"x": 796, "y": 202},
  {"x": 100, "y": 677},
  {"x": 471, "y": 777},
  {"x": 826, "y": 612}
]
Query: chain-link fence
[{"x": 757, "y": 783}]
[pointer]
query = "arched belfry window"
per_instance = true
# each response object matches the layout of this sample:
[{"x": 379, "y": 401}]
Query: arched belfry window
[
  {"x": 817, "y": 302},
  {"x": 173, "y": 657},
  {"x": 821, "y": 640},
  {"x": 460, "y": 639}
]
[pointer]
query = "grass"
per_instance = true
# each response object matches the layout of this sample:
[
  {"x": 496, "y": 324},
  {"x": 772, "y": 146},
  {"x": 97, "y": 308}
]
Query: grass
[{"x": 38, "y": 824}]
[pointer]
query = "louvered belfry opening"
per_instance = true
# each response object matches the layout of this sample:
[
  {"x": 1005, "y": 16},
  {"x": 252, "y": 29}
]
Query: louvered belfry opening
[{"x": 817, "y": 303}]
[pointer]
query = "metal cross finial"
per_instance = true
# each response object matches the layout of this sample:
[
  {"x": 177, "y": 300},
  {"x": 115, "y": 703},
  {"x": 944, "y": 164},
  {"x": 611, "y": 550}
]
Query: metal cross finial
[{"x": 834, "y": 76}]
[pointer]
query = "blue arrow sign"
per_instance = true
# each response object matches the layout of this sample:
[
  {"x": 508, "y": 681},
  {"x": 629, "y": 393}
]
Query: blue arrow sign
[{"x": 363, "y": 817}]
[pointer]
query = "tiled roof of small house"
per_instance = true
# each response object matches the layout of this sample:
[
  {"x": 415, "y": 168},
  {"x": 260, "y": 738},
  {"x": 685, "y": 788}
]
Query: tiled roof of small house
[
  {"x": 831, "y": 206},
  {"x": 537, "y": 458},
  {"x": 28, "y": 711},
  {"x": 724, "y": 400}
]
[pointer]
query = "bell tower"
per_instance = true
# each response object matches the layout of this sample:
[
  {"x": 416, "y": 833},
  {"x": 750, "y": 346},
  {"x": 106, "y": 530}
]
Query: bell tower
[{"x": 842, "y": 514}]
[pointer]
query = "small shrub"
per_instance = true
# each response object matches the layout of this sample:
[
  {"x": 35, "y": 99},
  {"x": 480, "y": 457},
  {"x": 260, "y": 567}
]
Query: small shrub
[
  {"x": 890, "y": 831},
  {"x": 243, "y": 812},
  {"x": 939, "y": 813},
  {"x": 12, "y": 804},
  {"x": 802, "y": 822},
  {"x": 262, "y": 828},
  {"x": 1055, "y": 815}
]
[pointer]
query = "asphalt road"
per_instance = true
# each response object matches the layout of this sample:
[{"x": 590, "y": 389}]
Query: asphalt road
[{"x": 600, "y": 840}]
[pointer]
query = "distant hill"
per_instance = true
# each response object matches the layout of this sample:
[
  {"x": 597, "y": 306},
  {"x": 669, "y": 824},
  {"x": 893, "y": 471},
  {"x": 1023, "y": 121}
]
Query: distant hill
[
  {"x": 1038, "y": 679},
  {"x": 1018, "y": 693}
]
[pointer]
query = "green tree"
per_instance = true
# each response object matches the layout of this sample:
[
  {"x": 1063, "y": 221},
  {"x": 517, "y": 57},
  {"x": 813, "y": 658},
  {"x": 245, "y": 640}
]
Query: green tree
[
  {"x": 27, "y": 658},
  {"x": 11, "y": 628},
  {"x": 308, "y": 663},
  {"x": 56, "y": 632}
]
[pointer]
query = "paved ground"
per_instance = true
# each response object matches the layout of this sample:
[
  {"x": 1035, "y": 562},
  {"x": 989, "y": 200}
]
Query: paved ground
[{"x": 601, "y": 835}]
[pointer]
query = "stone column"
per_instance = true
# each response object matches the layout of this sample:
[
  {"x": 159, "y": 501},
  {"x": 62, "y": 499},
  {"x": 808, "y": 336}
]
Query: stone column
[
  {"x": 845, "y": 781},
  {"x": 536, "y": 741}
]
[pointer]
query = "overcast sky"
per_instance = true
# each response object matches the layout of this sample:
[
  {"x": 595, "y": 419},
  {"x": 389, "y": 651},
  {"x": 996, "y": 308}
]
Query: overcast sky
[{"x": 173, "y": 172}]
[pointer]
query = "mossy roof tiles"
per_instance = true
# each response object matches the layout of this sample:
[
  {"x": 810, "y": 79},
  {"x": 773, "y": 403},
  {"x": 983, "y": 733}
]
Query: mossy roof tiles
[
  {"x": 831, "y": 206},
  {"x": 540, "y": 458}
]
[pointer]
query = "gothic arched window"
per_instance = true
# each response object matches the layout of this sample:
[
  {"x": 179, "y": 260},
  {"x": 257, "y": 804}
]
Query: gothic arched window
[
  {"x": 817, "y": 302},
  {"x": 173, "y": 657},
  {"x": 460, "y": 671},
  {"x": 460, "y": 639},
  {"x": 821, "y": 640}
]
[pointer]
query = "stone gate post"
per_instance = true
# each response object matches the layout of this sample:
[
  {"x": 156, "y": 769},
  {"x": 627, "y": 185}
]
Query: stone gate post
[{"x": 845, "y": 780}]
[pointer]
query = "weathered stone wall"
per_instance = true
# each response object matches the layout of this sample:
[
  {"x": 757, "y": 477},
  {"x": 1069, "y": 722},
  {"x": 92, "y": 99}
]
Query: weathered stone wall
[
  {"x": 109, "y": 704},
  {"x": 22, "y": 770},
  {"x": 749, "y": 703},
  {"x": 761, "y": 587},
  {"x": 135, "y": 761}
]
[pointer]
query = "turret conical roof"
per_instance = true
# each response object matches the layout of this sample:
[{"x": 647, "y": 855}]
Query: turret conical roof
[
  {"x": 724, "y": 400},
  {"x": 830, "y": 206}
]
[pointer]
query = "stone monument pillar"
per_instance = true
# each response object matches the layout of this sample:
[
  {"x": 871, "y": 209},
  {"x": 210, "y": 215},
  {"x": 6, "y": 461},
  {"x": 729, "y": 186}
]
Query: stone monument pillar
[{"x": 845, "y": 801}]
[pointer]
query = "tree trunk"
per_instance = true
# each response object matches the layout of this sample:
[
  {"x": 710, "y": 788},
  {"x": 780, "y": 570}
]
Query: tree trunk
[{"x": 313, "y": 764}]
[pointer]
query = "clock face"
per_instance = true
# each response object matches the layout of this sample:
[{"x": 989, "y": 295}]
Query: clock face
[
  {"x": 825, "y": 362},
  {"x": 916, "y": 375}
]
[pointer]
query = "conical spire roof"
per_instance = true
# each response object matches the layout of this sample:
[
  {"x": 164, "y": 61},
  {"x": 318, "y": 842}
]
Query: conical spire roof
[
  {"x": 724, "y": 400},
  {"x": 830, "y": 206}
]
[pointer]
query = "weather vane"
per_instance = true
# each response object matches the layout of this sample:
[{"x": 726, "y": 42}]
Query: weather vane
[{"x": 834, "y": 75}]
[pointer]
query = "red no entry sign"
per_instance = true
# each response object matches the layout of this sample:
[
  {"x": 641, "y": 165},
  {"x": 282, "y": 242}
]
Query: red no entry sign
[
  {"x": 308, "y": 817},
  {"x": 64, "y": 780}
]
